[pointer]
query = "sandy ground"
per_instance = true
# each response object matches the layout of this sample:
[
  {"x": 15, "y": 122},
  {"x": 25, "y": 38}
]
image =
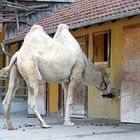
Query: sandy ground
[{"x": 29, "y": 129}]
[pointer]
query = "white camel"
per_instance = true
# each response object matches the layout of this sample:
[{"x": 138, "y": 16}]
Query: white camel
[{"x": 58, "y": 60}]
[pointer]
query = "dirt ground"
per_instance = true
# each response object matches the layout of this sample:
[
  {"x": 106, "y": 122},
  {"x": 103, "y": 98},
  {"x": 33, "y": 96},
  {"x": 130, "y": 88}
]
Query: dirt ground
[{"x": 28, "y": 129}]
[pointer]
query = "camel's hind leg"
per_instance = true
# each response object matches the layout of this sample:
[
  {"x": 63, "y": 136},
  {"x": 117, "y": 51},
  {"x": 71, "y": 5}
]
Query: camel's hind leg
[
  {"x": 14, "y": 81},
  {"x": 32, "y": 76},
  {"x": 33, "y": 91}
]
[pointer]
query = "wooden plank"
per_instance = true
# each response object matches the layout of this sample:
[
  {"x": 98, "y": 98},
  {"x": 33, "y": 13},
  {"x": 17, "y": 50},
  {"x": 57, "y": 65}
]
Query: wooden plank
[{"x": 53, "y": 97}]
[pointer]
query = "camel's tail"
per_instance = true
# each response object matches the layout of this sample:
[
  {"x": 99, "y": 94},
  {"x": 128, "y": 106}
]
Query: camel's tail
[{"x": 4, "y": 71}]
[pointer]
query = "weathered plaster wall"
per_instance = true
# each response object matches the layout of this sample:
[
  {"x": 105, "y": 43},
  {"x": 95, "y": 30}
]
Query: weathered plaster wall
[{"x": 130, "y": 86}]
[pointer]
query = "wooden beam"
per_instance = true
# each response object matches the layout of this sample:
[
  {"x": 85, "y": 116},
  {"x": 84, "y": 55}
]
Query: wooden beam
[
  {"x": 14, "y": 5},
  {"x": 17, "y": 19},
  {"x": 14, "y": 40},
  {"x": 13, "y": 20},
  {"x": 39, "y": 6}
]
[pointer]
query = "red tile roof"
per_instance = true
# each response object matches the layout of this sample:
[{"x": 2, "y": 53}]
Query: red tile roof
[{"x": 87, "y": 12}]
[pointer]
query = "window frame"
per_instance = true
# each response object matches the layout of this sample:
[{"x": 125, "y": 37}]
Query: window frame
[{"x": 108, "y": 62}]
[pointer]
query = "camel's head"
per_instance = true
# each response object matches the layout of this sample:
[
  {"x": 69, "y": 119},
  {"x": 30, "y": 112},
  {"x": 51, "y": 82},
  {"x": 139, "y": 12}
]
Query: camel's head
[
  {"x": 104, "y": 84},
  {"x": 107, "y": 92}
]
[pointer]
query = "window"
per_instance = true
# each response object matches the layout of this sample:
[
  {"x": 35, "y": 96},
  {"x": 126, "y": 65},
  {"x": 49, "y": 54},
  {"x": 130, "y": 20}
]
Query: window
[{"x": 101, "y": 47}]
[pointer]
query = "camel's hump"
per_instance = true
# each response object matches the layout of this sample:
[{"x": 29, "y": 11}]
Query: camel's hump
[
  {"x": 36, "y": 27},
  {"x": 62, "y": 26}
]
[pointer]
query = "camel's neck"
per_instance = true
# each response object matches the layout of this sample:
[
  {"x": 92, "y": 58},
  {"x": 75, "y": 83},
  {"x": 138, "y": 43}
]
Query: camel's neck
[{"x": 91, "y": 75}]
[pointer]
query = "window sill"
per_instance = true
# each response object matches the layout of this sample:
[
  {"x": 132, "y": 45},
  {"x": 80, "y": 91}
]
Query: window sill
[{"x": 103, "y": 64}]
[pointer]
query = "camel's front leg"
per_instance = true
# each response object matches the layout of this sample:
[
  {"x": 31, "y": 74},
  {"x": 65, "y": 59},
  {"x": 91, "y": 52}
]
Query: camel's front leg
[
  {"x": 65, "y": 88},
  {"x": 13, "y": 83},
  {"x": 75, "y": 79},
  {"x": 71, "y": 89},
  {"x": 67, "y": 110},
  {"x": 68, "y": 100}
]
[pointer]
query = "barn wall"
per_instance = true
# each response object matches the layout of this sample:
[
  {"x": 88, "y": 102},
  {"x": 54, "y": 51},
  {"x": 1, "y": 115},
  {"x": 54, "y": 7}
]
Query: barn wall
[{"x": 99, "y": 107}]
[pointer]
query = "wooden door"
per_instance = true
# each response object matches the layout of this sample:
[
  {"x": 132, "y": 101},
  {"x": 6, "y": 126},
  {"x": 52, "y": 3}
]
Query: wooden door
[
  {"x": 79, "y": 106},
  {"x": 130, "y": 85}
]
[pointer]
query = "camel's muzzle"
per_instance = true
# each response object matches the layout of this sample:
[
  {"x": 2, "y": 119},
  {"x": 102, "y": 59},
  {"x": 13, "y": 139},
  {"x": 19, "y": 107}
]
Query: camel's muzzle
[{"x": 110, "y": 94}]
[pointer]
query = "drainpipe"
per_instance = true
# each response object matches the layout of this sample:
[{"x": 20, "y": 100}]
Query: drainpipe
[{"x": 3, "y": 47}]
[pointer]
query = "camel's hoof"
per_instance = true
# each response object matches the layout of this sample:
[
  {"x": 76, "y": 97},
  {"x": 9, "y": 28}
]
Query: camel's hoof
[
  {"x": 69, "y": 123},
  {"x": 46, "y": 126},
  {"x": 11, "y": 128}
]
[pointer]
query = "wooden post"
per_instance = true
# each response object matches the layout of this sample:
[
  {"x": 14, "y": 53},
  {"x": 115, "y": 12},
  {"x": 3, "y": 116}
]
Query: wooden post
[{"x": 17, "y": 19}]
